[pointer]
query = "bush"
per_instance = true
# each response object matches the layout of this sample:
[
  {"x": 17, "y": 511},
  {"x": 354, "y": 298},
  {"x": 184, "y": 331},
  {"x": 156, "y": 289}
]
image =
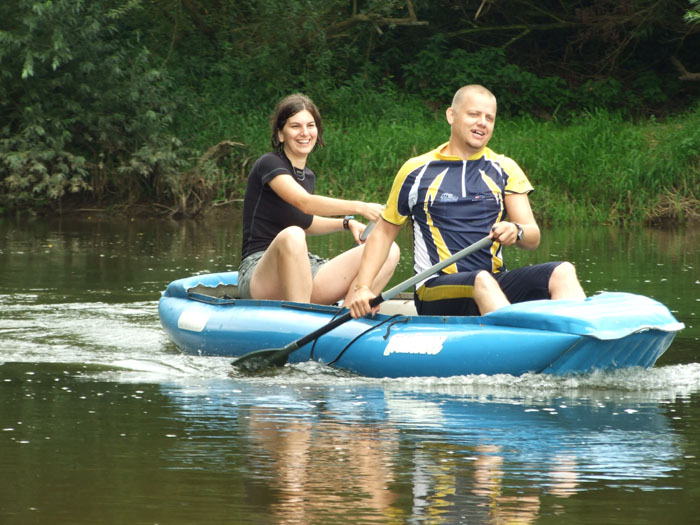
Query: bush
[
  {"x": 437, "y": 73},
  {"x": 83, "y": 106}
]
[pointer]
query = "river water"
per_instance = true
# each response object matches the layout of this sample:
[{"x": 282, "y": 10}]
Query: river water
[{"x": 103, "y": 420}]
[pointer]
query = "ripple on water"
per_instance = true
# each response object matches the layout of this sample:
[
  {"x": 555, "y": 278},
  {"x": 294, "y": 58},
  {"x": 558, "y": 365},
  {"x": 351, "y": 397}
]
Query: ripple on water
[{"x": 127, "y": 341}]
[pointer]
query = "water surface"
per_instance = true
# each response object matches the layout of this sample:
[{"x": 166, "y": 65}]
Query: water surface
[{"x": 102, "y": 419}]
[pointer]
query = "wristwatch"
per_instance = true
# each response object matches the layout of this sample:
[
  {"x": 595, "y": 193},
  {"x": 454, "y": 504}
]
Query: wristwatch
[
  {"x": 520, "y": 232},
  {"x": 346, "y": 221}
]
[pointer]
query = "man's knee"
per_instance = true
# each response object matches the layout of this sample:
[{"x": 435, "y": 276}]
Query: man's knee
[
  {"x": 487, "y": 293},
  {"x": 564, "y": 273},
  {"x": 484, "y": 281},
  {"x": 564, "y": 283}
]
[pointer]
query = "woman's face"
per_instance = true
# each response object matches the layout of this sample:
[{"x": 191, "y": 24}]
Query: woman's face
[{"x": 298, "y": 135}]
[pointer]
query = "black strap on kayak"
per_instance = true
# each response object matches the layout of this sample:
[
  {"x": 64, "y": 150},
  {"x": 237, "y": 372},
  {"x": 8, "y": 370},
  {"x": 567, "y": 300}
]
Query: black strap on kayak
[
  {"x": 313, "y": 345},
  {"x": 362, "y": 334},
  {"x": 209, "y": 299}
]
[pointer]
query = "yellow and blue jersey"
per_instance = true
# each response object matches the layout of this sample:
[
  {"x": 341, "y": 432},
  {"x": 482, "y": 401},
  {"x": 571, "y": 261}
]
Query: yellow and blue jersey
[{"x": 454, "y": 203}]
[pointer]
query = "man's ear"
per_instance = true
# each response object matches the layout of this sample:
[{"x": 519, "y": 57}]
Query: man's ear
[{"x": 450, "y": 114}]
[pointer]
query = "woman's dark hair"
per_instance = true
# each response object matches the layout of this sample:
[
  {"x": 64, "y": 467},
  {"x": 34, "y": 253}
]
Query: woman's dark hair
[{"x": 288, "y": 107}]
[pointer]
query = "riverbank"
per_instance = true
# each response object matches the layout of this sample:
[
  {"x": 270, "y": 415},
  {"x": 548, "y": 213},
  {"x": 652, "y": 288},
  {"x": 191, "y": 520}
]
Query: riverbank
[
  {"x": 594, "y": 169},
  {"x": 668, "y": 212}
]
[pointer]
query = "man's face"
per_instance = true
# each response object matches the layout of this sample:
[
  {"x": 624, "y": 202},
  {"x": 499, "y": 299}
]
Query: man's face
[{"x": 472, "y": 121}]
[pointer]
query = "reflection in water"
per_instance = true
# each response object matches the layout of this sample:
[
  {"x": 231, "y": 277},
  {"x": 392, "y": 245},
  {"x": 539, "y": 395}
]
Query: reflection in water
[
  {"x": 312, "y": 452},
  {"x": 312, "y": 463}
]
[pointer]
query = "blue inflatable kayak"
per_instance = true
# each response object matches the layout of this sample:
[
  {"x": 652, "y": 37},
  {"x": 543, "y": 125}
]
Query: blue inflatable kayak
[{"x": 203, "y": 315}]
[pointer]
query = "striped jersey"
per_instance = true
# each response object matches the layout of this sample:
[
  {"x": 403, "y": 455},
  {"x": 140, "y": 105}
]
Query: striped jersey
[{"x": 453, "y": 203}]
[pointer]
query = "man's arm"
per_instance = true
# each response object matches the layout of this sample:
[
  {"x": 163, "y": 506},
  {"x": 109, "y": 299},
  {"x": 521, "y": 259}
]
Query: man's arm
[
  {"x": 519, "y": 211},
  {"x": 375, "y": 253}
]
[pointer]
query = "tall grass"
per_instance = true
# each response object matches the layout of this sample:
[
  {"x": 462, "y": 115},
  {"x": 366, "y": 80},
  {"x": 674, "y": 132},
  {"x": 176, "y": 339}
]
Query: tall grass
[
  {"x": 599, "y": 168},
  {"x": 596, "y": 168}
]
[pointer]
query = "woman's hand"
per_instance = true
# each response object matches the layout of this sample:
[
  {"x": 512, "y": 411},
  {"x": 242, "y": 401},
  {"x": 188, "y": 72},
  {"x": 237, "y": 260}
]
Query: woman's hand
[
  {"x": 356, "y": 228},
  {"x": 371, "y": 211}
]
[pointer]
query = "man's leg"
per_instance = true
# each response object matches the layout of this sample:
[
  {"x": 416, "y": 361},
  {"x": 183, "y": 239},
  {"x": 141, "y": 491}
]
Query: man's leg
[
  {"x": 462, "y": 293},
  {"x": 488, "y": 294},
  {"x": 564, "y": 284}
]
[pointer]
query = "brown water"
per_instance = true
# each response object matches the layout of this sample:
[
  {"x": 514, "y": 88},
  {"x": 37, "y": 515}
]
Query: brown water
[{"x": 103, "y": 420}]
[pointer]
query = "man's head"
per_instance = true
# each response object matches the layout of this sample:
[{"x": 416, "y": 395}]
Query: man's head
[{"x": 472, "y": 117}]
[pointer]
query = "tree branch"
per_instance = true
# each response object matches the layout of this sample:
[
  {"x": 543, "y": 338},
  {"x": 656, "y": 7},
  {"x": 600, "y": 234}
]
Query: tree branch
[
  {"x": 514, "y": 27},
  {"x": 685, "y": 74},
  {"x": 377, "y": 20},
  {"x": 374, "y": 20},
  {"x": 411, "y": 11}
]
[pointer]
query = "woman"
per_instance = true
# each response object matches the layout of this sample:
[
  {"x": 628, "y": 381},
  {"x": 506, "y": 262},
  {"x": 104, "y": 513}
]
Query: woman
[{"x": 279, "y": 210}]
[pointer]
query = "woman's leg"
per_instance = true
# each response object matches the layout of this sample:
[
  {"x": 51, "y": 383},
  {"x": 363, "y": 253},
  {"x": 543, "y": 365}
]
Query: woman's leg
[
  {"x": 336, "y": 279},
  {"x": 284, "y": 272}
]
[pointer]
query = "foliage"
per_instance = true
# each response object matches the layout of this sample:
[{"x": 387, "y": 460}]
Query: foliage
[
  {"x": 436, "y": 71},
  {"x": 127, "y": 100},
  {"x": 692, "y": 15},
  {"x": 80, "y": 101},
  {"x": 599, "y": 168}
]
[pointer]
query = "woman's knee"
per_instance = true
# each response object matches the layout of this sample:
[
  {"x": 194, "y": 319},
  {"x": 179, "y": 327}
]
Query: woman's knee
[
  {"x": 394, "y": 255},
  {"x": 292, "y": 241}
]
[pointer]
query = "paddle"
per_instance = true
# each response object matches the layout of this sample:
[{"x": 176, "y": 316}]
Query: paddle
[
  {"x": 259, "y": 359},
  {"x": 367, "y": 231}
]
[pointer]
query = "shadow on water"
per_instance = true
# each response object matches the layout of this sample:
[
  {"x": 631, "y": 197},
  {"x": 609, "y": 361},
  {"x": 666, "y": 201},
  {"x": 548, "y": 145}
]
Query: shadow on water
[{"x": 103, "y": 419}]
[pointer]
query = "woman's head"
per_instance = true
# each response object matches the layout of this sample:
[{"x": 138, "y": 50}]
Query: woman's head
[{"x": 288, "y": 107}]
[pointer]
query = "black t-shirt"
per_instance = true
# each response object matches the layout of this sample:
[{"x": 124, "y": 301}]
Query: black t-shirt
[{"x": 265, "y": 214}]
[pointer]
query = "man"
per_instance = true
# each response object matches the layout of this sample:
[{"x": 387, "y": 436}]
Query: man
[{"x": 455, "y": 195}]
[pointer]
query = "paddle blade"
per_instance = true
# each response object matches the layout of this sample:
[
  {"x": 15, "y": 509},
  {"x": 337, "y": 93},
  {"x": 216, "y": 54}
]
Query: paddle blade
[{"x": 255, "y": 362}]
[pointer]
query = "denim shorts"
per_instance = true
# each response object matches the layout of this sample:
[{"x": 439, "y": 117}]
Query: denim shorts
[{"x": 248, "y": 265}]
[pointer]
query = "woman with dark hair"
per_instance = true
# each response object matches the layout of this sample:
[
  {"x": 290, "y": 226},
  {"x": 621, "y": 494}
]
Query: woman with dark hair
[{"x": 280, "y": 210}]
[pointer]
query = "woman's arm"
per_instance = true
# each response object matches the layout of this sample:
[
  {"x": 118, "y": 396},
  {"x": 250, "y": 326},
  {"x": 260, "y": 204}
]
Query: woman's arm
[
  {"x": 324, "y": 225},
  {"x": 288, "y": 190}
]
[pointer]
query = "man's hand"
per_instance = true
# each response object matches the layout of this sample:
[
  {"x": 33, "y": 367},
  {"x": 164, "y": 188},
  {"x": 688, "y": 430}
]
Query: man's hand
[
  {"x": 504, "y": 232},
  {"x": 359, "y": 303}
]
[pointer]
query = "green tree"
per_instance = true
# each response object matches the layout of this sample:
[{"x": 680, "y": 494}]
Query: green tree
[
  {"x": 82, "y": 105},
  {"x": 692, "y": 15}
]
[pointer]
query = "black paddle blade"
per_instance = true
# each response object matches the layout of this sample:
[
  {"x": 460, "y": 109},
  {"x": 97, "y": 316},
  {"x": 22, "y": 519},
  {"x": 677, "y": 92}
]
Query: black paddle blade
[{"x": 255, "y": 362}]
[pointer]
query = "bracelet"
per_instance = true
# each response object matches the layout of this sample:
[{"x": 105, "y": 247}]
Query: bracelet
[
  {"x": 346, "y": 221},
  {"x": 358, "y": 286}
]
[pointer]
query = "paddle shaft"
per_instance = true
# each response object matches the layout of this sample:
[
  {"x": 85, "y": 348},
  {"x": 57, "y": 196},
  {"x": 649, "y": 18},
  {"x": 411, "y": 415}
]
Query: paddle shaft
[
  {"x": 367, "y": 230},
  {"x": 430, "y": 271},
  {"x": 385, "y": 296}
]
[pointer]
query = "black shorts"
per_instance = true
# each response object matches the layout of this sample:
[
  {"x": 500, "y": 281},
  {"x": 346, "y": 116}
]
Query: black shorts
[{"x": 453, "y": 294}]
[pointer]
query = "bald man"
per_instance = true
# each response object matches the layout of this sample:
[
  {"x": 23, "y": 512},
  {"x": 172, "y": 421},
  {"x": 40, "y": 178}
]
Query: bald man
[{"x": 455, "y": 195}]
